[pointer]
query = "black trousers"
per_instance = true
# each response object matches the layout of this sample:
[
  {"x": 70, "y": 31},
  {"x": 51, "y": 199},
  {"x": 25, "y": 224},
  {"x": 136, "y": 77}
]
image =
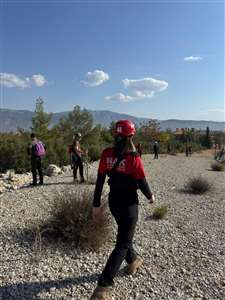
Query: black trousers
[
  {"x": 36, "y": 165},
  {"x": 78, "y": 164},
  {"x": 156, "y": 155},
  {"x": 126, "y": 219}
]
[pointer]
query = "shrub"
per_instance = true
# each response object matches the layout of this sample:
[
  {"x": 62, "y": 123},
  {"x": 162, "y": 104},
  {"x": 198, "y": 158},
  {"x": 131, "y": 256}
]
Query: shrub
[
  {"x": 71, "y": 219},
  {"x": 197, "y": 185},
  {"x": 160, "y": 212},
  {"x": 216, "y": 166},
  {"x": 13, "y": 152},
  {"x": 94, "y": 152}
]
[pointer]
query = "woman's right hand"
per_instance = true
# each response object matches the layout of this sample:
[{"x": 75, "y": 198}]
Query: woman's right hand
[
  {"x": 152, "y": 199},
  {"x": 131, "y": 143}
]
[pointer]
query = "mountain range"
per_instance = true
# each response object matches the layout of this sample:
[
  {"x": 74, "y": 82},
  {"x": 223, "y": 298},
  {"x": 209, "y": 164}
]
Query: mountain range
[{"x": 11, "y": 119}]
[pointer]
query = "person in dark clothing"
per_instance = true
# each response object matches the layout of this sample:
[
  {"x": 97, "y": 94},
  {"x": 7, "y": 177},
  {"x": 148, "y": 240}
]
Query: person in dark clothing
[
  {"x": 126, "y": 174},
  {"x": 168, "y": 149},
  {"x": 139, "y": 148},
  {"x": 156, "y": 150},
  {"x": 36, "y": 150},
  {"x": 186, "y": 151},
  {"x": 76, "y": 158}
]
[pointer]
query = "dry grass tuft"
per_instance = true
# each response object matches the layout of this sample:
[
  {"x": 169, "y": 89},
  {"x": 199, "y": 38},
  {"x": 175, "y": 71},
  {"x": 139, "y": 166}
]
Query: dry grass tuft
[
  {"x": 160, "y": 212},
  {"x": 217, "y": 166},
  {"x": 197, "y": 185},
  {"x": 71, "y": 219}
]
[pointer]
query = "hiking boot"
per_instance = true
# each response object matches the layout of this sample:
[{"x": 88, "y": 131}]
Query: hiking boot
[
  {"x": 101, "y": 293},
  {"x": 82, "y": 180},
  {"x": 75, "y": 180},
  {"x": 134, "y": 266}
]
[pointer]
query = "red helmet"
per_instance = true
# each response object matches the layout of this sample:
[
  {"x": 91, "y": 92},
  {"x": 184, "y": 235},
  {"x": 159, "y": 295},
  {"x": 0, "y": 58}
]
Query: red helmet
[{"x": 124, "y": 128}]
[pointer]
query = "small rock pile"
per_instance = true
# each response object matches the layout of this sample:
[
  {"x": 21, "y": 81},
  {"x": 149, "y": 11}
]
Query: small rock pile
[{"x": 10, "y": 181}]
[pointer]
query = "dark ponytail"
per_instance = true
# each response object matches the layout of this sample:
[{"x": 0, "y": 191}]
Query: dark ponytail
[{"x": 120, "y": 145}]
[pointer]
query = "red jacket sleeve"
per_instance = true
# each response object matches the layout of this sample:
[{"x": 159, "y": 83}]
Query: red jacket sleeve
[
  {"x": 139, "y": 175},
  {"x": 138, "y": 169},
  {"x": 100, "y": 179}
]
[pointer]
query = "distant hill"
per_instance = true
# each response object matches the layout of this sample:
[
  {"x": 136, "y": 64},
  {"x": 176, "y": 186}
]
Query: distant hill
[{"x": 11, "y": 119}]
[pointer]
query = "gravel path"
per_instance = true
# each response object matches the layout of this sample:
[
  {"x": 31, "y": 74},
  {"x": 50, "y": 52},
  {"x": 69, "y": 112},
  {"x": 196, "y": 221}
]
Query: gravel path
[{"x": 184, "y": 253}]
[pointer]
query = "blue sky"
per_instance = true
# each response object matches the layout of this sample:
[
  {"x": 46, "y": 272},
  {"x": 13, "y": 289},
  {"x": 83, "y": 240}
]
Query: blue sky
[{"x": 157, "y": 59}]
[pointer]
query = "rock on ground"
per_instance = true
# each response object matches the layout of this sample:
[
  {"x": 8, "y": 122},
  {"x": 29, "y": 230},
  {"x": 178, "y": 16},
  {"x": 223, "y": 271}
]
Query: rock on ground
[{"x": 53, "y": 170}]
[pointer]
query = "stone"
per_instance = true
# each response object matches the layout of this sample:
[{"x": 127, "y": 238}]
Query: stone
[
  {"x": 53, "y": 170},
  {"x": 66, "y": 169}
]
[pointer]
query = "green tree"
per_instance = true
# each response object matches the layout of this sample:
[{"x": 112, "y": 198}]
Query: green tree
[
  {"x": 151, "y": 130},
  {"x": 77, "y": 121},
  {"x": 147, "y": 133},
  {"x": 41, "y": 120}
]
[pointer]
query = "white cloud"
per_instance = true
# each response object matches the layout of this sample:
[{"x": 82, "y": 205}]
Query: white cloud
[
  {"x": 95, "y": 78},
  {"x": 15, "y": 81},
  {"x": 139, "y": 89},
  {"x": 145, "y": 86},
  {"x": 12, "y": 80},
  {"x": 119, "y": 97},
  {"x": 192, "y": 58},
  {"x": 38, "y": 80}
]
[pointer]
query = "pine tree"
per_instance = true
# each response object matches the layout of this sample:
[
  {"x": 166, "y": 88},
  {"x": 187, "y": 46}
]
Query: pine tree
[
  {"x": 41, "y": 120},
  {"x": 77, "y": 121}
]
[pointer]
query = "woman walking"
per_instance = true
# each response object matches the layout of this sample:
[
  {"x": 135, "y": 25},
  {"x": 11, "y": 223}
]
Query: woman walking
[{"x": 126, "y": 174}]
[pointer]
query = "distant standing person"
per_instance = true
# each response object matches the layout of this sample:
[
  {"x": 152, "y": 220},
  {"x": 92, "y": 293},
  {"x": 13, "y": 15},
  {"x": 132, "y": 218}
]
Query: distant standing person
[
  {"x": 36, "y": 150},
  {"x": 76, "y": 158},
  {"x": 168, "y": 149},
  {"x": 221, "y": 154},
  {"x": 186, "y": 151},
  {"x": 156, "y": 150},
  {"x": 139, "y": 148}
]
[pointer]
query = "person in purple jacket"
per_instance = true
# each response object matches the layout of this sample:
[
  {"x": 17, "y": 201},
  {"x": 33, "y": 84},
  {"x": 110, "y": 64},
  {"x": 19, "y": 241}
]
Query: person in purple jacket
[{"x": 36, "y": 149}]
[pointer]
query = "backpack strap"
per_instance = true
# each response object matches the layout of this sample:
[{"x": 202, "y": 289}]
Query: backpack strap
[
  {"x": 120, "y": 158},
  {"x": 113, "y": 170}
]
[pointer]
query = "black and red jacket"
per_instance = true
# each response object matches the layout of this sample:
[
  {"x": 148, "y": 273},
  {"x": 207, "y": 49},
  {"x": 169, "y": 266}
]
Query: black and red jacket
[{"x": 124, "y": 181}]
